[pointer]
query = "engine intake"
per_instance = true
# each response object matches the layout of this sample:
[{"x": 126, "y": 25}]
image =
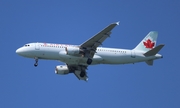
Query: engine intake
[{"x": 62, "y": 69}]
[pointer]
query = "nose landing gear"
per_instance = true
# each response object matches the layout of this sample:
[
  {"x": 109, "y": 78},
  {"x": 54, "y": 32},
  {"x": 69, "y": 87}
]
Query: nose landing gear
[{"x": 36, "y": 62}]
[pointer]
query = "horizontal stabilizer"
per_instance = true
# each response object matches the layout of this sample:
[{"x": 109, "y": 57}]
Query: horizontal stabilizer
[
  {"x": 149, "y": 62},
  {"x": 154, "y": 51}
]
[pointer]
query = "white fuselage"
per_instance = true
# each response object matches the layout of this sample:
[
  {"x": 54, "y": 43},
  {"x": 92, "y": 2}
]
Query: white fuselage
[
  {"x": 50, "y": 51},
  {"x": 79, "y": 57}
]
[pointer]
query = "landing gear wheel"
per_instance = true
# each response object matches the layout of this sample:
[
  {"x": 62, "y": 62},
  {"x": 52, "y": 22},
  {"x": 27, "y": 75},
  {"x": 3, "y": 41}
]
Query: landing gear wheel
[
  {"x": 89, "y": 61},
  {"x": 82, "y": 74},
  {"x": 35, "y": 64}
]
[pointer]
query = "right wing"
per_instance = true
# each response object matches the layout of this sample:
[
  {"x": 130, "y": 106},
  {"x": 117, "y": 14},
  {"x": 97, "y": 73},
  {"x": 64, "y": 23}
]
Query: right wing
[{"x": 91, "y": 44}]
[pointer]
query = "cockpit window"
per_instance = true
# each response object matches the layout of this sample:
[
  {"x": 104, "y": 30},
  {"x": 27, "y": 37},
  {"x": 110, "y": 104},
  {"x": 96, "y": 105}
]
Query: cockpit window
[{"x": 26, "y": 45}]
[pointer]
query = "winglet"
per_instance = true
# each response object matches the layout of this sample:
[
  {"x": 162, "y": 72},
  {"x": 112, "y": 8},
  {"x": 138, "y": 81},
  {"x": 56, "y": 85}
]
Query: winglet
[{"x": 118, "y": 22}]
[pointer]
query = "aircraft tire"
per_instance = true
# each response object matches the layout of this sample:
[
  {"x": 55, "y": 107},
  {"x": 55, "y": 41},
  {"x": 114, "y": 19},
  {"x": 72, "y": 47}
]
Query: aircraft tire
[
  {"x": 35, "y": 64},
  {"x": 82, "y": 74},
  {"x": 89, "y": 61}
]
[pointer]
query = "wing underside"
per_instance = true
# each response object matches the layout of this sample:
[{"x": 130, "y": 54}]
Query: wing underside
[
  {"x": 78, "y": 75},
  {"x": 79, "y": 71}
]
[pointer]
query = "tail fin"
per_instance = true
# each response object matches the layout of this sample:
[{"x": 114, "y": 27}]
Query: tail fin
[{"x": 148, "y": 43}]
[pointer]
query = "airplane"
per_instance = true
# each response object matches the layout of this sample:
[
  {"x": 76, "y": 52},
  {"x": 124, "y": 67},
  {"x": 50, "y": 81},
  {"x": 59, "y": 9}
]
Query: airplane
[{"x": 78, "y": 57}]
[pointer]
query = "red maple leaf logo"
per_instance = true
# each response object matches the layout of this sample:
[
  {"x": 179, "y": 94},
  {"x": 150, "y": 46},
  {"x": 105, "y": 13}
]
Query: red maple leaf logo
[{"x": 149, "y": 44}]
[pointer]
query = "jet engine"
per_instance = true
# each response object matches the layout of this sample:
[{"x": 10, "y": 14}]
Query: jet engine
[
  {"x": 62, "y": 69},
  {"x": 73, "y": 50}
]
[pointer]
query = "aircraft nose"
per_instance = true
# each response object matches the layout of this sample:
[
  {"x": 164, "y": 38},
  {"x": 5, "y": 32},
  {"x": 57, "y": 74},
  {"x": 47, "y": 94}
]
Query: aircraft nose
[{"x": 19, "y": 51}]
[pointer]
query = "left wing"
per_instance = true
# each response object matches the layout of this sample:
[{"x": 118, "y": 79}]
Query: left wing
[
  {"x": 78, "y": 75},
  {"x": 79, "y": 71},
  {"x": 91, "y": 44}
]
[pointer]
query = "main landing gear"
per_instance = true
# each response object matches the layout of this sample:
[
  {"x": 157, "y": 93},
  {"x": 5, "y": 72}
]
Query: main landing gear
[
  {"x": 36, "y": 62},
  {"x": 89, "y": 61},
  {"x": 82, "y": 74}
]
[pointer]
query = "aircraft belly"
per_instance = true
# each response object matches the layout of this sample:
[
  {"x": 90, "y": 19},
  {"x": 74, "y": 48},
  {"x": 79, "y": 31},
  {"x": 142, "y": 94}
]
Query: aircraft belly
[
  {"x": 116, "y": 59},
  {"x": 119, "y": 58},
  {"x": 69, "y": 59},
  {"x": 76, "y": 60},
  {"x": 51, "y": 56}
]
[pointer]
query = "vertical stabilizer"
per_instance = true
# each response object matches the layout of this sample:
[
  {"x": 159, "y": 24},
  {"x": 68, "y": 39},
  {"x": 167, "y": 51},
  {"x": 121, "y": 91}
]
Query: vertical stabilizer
[{"x": 148, "y": 43}]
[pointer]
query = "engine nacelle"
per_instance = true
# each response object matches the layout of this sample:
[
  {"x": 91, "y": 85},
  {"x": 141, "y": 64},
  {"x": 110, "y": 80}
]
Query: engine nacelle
[
  {"x": 73, "y": 50},
  {"x": 62, "y": 69}
]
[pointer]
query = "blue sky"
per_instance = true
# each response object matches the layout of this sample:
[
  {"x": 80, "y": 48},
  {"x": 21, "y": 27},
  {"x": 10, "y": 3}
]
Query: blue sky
[{"x": 73, "y": 22}]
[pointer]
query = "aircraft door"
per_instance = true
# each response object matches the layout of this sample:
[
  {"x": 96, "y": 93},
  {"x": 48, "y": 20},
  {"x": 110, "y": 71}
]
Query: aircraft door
[
  {"x": 37, "y": 47},
  {"x": 133, "y": 54}
]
